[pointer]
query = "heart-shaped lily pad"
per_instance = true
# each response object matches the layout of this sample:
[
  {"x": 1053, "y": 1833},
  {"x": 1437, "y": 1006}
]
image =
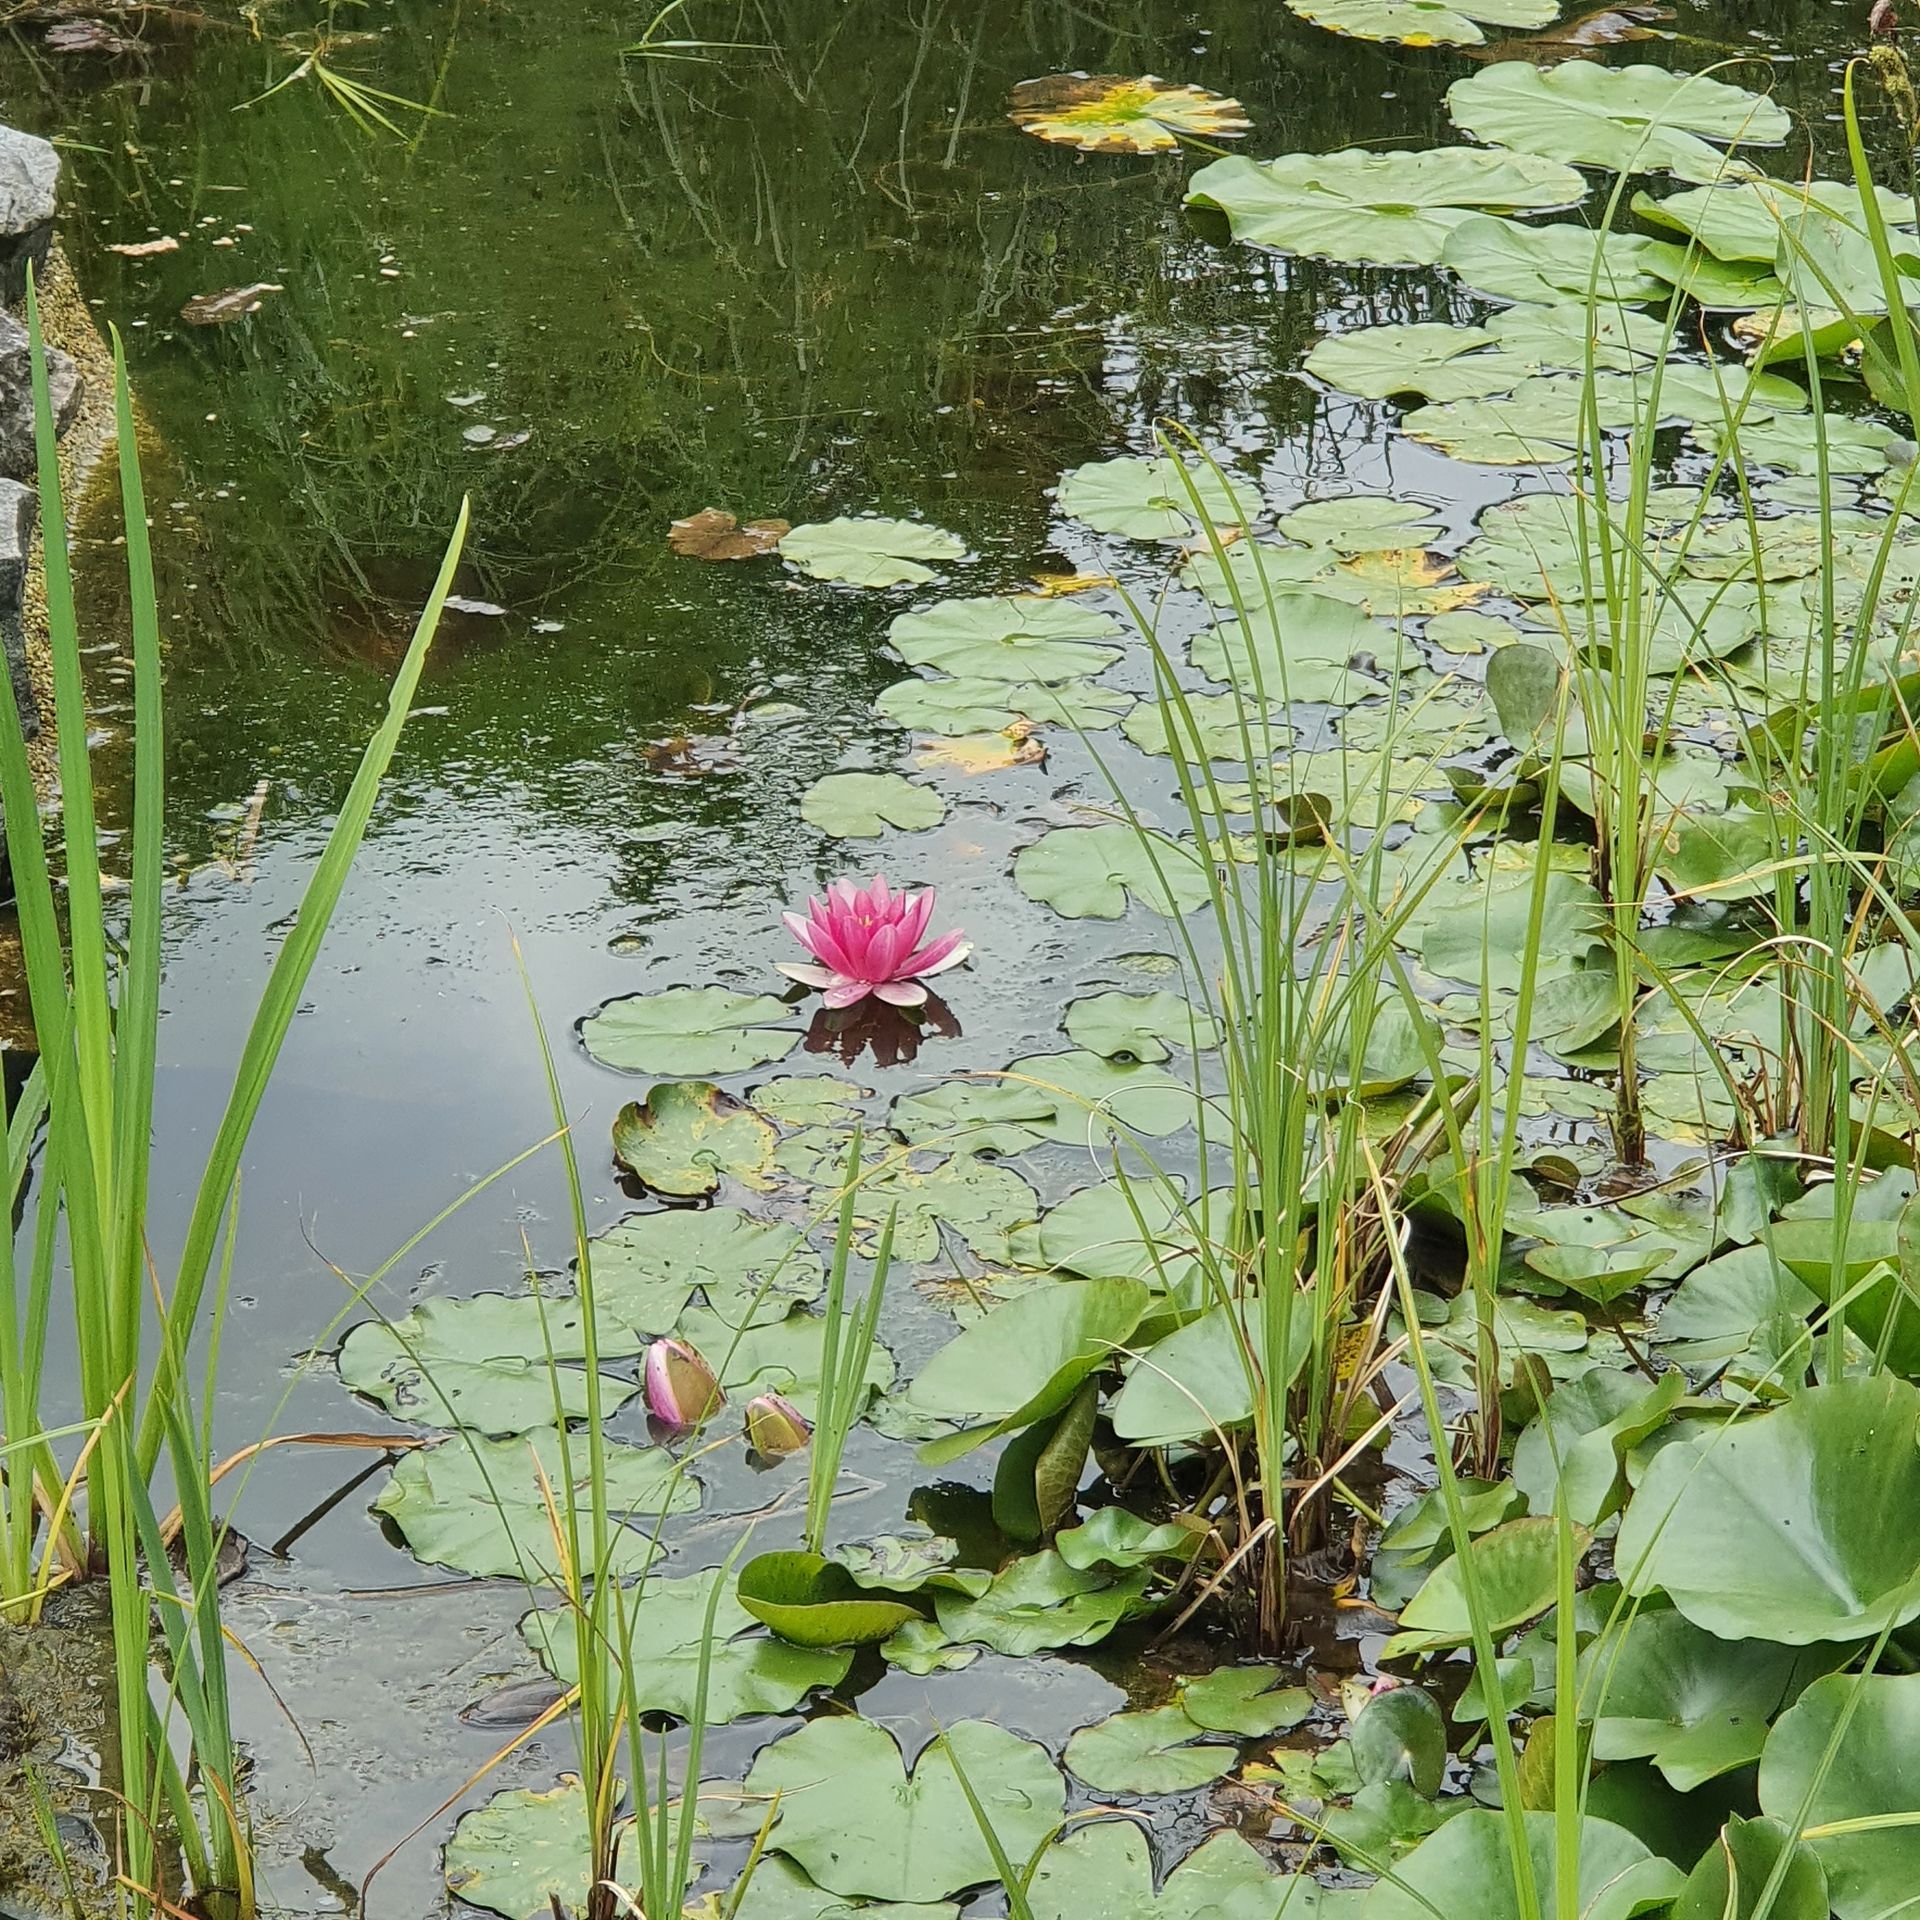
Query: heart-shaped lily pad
[
  {"x": 1014, "y": 637},
  {"x": 862, "y": 806},
  {"x": 647, "y": 1270},
  {"x": 1154, "y": 499},
  {"x": 1090, "y": 872},
  {"x": 690, "y": 1031},
  {"x": 687, "y": 1135},
  {"x": 861, "y": 1824},
  {"x": 1158, "y": 1751},
  {"x": 1425, "y": 23},
  {"x": 869, "y": 551}
]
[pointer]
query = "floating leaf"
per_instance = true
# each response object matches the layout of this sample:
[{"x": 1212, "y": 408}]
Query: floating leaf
[
  {"x": 1105, "y": 1872},
  {"x": 1151, "y": 1752},
  {"x": 1572, "y": 1455},
  {"x": 1089, "y": 1094},
  {"x": 1039, "y": 1603},
  {"x": 1732, "y": 1876},
  {"x": 712, "y": 534},
  {"x": 482, "y": 1506},
  {"x": 987, "y": 706},
  {"x": 1361, "y": 523},
  {"x": 1799, "y": 1525},
  {"x": 1749, "y": 219},
  {"x": 1109, "y": 113},
  {"x": 1115, "y": 1537},
  {"x": 814, "y": 1602},
  {"x": 483, "y": 1362},
  {"x": 1139, "y": 1026},
  {"x": 1253, "y": 1702},
  {"x": 1024, "y": 1361},
  {"x": 864, "y": 805},
  {"x": 1424, "y": 23},
  {"x": 780, "y": 1891},
  {"x": 230, "y": 304},
  {"x": 1635, "y": 119},
  {"x": 1516, "y": 1565},
  {"x": 647, "y": 1270},
  {"x": 1383, "y": 209},
  {"x": 691, "y": 1031},
  {"x": 868, "y": 551},
  {"x": 1695, "y": 1705},
  {"x": 1015, "y": 637},
  {"x": 1465, "y": 1872},
  {"x": 1153, "y": 499},
  {"x": 1091, "y": 872},
  {"x": 973, "y": 754},
  {"x": 1552, "y": 264},
  {"x": 978, "y": 1199},
  {"x": 1198, "y": 1380},
  {"x": 664, "y": 1622},
  {"x": 1872, "y": 1774},
  {"x": 1800, "y": 443},
  {"x": 860, "y": 1824},
  {"x": 525, "y": 1851},
  {"x": 687, "y": 1136}
]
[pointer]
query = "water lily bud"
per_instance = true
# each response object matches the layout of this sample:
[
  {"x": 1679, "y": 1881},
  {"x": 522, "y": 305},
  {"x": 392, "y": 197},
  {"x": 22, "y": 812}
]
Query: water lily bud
[
  {"x": 681, "y": 1389},
  {"x": 775, "y": 1427}
]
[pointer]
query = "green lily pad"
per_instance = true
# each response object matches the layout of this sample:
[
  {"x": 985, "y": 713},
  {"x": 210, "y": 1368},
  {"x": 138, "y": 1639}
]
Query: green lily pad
[
  {"x": 1011, "y": 637},
  {"x": 978, "y": 1199},
  {"x": 1115, "y": 1537},
  {"x": 1548, "y": 265},
  {"x": 524, "y": 1850},
  {"x": 1572, "y": 1455},
  {"x": 1254, "y": 1702},
  {"x": 1516, "y": 1565},
  {"x": 1799, "y": 1525},
  {"x": 960, "y": 707},
  {"x": 780, "y": 1356},
  {"x": 1425, "y": 23},
  {"x": 687, "y": 1136},
  {"x": 1794, "y": 443},
  {"x": 869, "y": 551},
  {"x": 984, "y": 1114},
  {"x": 1292, "y": 646},
  {"x": 1634, "y": 119},
  {"x": 481, "y": 1505},
  {"x": 1746, "y": 219},
  {"x": 1357, "y": 523},
  {"x": 1024, "y": 1361},
  {"x": 647, "y": 1270},
  {"x": 1695, "y": 1705},
  {"x": 692, "y": 1032},
  {"x": 483, "y": 1362},
  {"x": 780, "y": 1891},
  {"x": 1732, "y": 1876},
  {"x": 1382, "y": 209},
  {"x": 862, "y": 806},
  {"x": 1089, "y": 1094},
  {"x": 1465, "y": 1872},
  {"x": 860, "y": 1824},
  {"x": 1220, "y": 726},
  {"x": 922, "y": 1647},
  {"x": 810, "y": 1099},
  {"x": 1090, "y": 873},
  {"x": 1433, "y": 358},
  {"x": 1039, "y": 1602},
  {"x": 1150, "y": 1752},
  {"x": 749, "y": 1671},
  {"x": 1197, "y": 1379},
  {"x": 1105, "y": 1872},
  {"x": 811, "y": 1601},
  {"x": 1104, "y": 1231},
  {"x": 1154, "y": 499},
  {"x": 1139, "y": 1026},
  {"x": 1874, "y": 1773},
  {"x": 1399, "y": 1737},
  {"x": 1726, "y": 1311}
]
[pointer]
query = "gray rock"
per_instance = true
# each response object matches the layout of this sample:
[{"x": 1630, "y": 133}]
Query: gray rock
[
  {"x": 19, "y": 512},
  {"x": 16, "y": 398},
  {"x": 29, "y": 175}
]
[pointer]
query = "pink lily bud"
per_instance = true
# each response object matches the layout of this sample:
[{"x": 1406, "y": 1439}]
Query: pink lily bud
[
  {"x": 775, "y": 1426},
  {"x": 681, "y": 1389}
]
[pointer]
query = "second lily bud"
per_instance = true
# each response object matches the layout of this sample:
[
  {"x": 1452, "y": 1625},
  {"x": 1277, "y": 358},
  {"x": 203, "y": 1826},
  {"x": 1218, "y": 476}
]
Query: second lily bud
[{"x": 775, "y": 1426}]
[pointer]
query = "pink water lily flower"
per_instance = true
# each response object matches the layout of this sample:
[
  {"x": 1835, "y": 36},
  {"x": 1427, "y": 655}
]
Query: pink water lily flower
[{"x": 867, "y": 941}]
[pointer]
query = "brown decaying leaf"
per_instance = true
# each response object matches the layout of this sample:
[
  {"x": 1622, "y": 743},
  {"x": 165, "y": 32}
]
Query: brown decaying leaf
[
  {"x": 713, "y": 534},
  {"x": 231, "y": 303},
  {"x": 144, "y": 249},
  {"x": 1578, "y": 39}
]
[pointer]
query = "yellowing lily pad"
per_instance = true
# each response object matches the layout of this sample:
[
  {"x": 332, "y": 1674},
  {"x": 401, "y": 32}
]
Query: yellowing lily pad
[
  {"x": 1109, "y": 113},
  {"x": 977, "y": 753},
  {"x": 686, "y": 1134},
  {"x": 1424, "y": 23},
  {"x": 1410, "y": 580}
]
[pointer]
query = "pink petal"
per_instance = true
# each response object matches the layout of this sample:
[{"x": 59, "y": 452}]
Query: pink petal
[
  {"x": 883, "y": 952},
  {"x": 901, "y": 993},
  {"x": 849, "y": 994},
  {"x": 840, "y": 954},
  {"x": 878, "y": 893},
  {"x": 842, "y": 897},
  {"x": 913, "y": 922},
  {"x": 810, "y": 976},
  {"x": 938, "y": 955}
]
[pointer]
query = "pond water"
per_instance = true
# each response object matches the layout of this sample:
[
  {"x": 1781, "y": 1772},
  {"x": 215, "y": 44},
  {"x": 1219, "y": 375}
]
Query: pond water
[{"x": 813, "y": 273}]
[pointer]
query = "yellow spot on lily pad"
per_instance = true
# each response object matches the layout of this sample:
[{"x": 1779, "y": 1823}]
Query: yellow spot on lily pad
[
  {"x": 977, "y": 753},
  {"x": 1051, "y": 586},
  {"x": 1410, "y": 580},
  {"x": 1110, "y": 113}
]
